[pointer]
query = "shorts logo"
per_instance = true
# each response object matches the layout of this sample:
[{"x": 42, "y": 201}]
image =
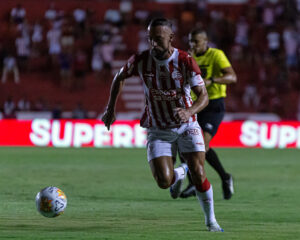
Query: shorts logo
[{"x": 194, "y": 131}]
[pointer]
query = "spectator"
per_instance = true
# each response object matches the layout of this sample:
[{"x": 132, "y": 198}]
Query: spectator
[
  {"x": 18, "y": 14},
  {"x": 201, "y": 9},
  {"x": 57, "y": 111},
  {"x": 97, "y": 61},
  {"x": 141, "y": 16},
  {"x": 290, "y": 39},
  {"x": 273, "y": 38},
  {"x": 126, "y": 10},
  {"x": 113, "y": 16},
  {"x": 79, "y": 112},
  {"x": 23, "y": 51},
  {"x": 9, "y": 109},
  {"x": 54, "y": 43},
  {"x": 24, "y": 29},
  {"x": 37, "y": 38},
  {"x": 251, "y": 98},
  {"x": 51, "y": 13},
  {"x": 40, "y": 105},
  {"x": 80, "y": 68},
  {"x": 268, "y": 15},
  {"x": 59, "y": 20},
  {"x": 24, "y": 104},
  {"x": 79, "y": 15},
  {"x": 242, "y": 28},
  {"x": 116, "y": 39},
  {"x": 107, "y": 53},
  {"x": 10, "y": 66},
  {"x": 67, "y": 38},
  {"x": 143, "y": 41},
  {"x": 65, "y": 63}
]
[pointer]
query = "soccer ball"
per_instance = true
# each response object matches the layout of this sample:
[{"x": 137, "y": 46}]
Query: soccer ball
[{"x": 51, "y": 202}]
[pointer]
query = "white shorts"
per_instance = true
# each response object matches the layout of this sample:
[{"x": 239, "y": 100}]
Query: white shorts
[{"x": 166, "y": 142}]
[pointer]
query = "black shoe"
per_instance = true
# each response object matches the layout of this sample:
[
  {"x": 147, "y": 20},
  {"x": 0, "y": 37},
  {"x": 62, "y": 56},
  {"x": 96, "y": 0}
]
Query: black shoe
[
  {"x": 188, "y": 192},
  {"x": 227, "y": 186}
]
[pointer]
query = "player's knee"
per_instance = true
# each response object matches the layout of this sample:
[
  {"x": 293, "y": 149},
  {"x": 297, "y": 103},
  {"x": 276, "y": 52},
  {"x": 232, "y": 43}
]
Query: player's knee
[
  {"x": 164, "y": 181},
  {"x": 197, "y": 171},
  {"x": 164, "y": 184},
  {"x": 206, "y": 148}
]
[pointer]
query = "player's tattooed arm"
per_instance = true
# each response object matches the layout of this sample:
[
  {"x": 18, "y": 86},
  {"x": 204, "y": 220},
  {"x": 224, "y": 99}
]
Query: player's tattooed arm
[
  {"x": 202, "y": 100},
  {"x": 109, "y": 115}
]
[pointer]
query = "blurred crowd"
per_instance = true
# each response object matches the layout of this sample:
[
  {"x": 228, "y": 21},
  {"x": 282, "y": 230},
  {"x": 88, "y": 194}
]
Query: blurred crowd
[{"x": 261, "y": 39}]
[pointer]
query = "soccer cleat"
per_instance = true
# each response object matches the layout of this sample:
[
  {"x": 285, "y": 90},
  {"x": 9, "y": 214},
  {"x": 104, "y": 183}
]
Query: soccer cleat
[
  {"x": 227, "y": 186},
  {"x": 175, "y": 189},
  {"x": 214, "y": 227},
  {"x": 188, "y": 192}
]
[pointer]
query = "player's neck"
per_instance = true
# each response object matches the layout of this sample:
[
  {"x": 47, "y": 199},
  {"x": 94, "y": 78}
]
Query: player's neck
[
  {"x": 164, "y": 55},
  {"x": 201, "y": 53}
]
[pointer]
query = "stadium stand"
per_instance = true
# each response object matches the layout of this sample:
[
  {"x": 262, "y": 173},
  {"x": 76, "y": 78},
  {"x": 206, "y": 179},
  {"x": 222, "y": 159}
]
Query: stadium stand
[{"x": 261, "y": 40}]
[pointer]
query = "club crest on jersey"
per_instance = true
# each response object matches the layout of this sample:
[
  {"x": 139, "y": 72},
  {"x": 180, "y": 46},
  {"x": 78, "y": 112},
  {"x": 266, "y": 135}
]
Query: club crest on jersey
[{"x": 176, "y": 75}]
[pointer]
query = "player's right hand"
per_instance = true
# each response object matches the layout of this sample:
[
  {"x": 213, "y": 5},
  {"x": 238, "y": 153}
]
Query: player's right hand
[{"x": 108, "y": 118}]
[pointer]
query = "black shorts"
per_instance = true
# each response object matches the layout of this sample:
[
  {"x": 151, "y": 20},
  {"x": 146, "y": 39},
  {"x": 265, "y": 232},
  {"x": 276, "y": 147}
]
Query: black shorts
[{"x": 211, "y": 117}]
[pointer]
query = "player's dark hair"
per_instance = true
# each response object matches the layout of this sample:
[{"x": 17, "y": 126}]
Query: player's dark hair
[
  {"x": 159, "y": 22},
  {"x": 197, "y": 31}
]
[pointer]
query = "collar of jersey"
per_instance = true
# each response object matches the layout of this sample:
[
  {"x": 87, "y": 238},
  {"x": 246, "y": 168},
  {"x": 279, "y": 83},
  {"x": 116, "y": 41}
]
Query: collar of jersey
[
  {"x": 202, "y": 54},
  {"x": 166, "y": 60}
]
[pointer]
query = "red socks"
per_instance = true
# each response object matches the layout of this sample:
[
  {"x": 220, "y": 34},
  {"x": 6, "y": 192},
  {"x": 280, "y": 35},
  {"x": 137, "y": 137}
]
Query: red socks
[{"x": 204, "y": 186}]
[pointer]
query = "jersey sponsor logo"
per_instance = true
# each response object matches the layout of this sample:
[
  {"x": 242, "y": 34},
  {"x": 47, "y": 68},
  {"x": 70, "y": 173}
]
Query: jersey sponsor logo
[{"x": 166, "y": 95}]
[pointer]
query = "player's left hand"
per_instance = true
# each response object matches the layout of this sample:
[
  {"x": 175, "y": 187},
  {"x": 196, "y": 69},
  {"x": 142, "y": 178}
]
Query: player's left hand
[
  {"x": 207, "y": 82},
  {"x": 183, "y": 114},
  {"x": 108, "y": 117}
]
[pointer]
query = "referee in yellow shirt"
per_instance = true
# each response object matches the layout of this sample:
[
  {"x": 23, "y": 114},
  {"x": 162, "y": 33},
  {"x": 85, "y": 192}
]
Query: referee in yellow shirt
[{"x": 217, "y": 73}]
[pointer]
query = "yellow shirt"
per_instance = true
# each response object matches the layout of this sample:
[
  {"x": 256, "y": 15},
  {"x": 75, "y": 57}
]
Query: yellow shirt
[{"x": 211, "y": 63}]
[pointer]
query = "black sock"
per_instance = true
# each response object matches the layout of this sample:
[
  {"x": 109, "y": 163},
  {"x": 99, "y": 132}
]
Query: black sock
[{"x": 213, "y": 160}]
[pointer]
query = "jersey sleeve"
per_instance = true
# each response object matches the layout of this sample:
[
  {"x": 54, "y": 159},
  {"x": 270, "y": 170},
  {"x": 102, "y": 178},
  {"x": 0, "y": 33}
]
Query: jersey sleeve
[
  {"x": 194, "y": 72},
  {"x": 221, "y": 60},
  {"x": 130, "y": 68}
]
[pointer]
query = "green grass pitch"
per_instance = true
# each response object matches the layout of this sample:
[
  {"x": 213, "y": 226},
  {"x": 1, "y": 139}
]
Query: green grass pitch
[{"x": 112, "y": 195}]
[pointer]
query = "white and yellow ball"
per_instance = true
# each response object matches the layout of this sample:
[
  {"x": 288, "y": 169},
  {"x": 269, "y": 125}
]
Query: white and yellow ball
[{"x": 51, "y": 202}]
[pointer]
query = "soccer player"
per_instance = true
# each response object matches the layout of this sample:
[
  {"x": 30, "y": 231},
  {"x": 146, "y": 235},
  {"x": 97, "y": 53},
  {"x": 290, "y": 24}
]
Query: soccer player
[
  {"x": 217, "y": 73},
  {"x": 168, "y": 75}
]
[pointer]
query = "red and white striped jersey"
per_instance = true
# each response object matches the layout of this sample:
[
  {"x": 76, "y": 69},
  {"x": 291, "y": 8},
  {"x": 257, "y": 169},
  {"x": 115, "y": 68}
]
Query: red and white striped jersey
[{"x": 167, "y": 85}]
